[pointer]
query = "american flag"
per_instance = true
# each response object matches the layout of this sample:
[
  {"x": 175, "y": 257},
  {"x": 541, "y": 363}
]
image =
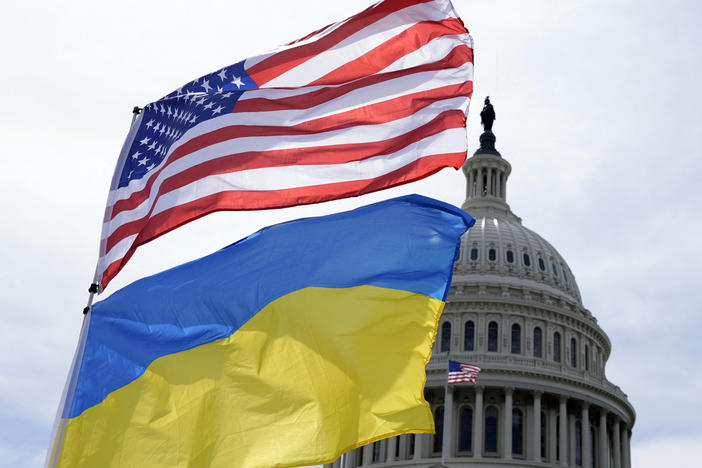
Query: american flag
[
  {"x": 371, "y": 102},
  {"x": 460, "y": 372}
]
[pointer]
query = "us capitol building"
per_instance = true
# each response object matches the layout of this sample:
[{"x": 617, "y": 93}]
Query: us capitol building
[{"x": 514, "y": 309}]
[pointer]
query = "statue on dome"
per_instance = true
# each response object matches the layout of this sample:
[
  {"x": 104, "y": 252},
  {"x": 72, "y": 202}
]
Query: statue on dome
[{"x": 487, "y": 115}]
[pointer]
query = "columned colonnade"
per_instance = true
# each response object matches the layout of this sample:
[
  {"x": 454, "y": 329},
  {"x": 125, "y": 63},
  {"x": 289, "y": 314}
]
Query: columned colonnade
[{"x": 555, "y": 431}]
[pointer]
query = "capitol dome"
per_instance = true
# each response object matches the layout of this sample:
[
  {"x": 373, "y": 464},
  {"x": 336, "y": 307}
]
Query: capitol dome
[{"x": 514, "y": 308}]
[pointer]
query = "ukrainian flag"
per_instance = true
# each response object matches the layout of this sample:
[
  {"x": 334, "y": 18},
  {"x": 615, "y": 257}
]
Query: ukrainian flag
[{"x": 287, "y": 348}]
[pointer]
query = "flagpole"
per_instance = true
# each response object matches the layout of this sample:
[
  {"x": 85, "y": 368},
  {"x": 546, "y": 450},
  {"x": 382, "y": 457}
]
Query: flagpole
[
  {"x": 446, "y": 409},
  {"x": 95, "y": 285}
]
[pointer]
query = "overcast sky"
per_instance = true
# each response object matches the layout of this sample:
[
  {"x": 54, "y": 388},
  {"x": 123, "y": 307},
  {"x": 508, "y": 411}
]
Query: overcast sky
[{"x": 598, "y": 110}]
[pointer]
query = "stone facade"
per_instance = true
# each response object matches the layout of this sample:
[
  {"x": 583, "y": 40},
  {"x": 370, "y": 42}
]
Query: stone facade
[{"x": 542, "y": 398}]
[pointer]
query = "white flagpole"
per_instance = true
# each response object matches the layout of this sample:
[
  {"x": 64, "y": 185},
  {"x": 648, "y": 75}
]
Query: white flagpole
[{"x": 443, "y": 431}]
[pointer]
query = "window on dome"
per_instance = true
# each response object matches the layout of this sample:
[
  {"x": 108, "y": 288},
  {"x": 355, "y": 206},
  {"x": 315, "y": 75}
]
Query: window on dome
[
  {"x": 517, "y": 432},
  {"x": 537, "y": 342},
  {"x": 469, "y": 336},
  {"x": 557, "y": 347},
  {"x": 492, "y": 255},
  {"x": 473, "y": 254},
  {"x": 410, "y": 445},
  {"x": 516, "y": 339},
  {"x": 397, "y": 447},
  {"x": 527, "y": 260},
  {"x": 439, "y": 427},
  {"x": 579, "y": 443},
  {"x": 445, "y": 337},
  {"x": 542, "y": 265},
  {"x": 555, "y": 272},
  {"x": 465, "y": 429},
  {"x": 587, "y": 357},
  {"x": 359, "y": 456},
  {"x": 565, "y": 275},
  {"x": 573, "y": 353},
  {"x": 543, "y": 435},
  {"x": 491, "y": 423},
  {"x": 492, "y": 336},
  {"x": 510, "y": 256},
  {"x": 376, "y": 452}
]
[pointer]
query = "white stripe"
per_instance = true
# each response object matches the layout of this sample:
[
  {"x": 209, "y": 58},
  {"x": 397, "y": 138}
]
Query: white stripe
[
  {"x": 358, "y": 98},
  {"x": 357, "y": 45},
  {"x": 356, "y": 134},
  {"x": 432, "y": 51},
  {"x": 117, "y": 251},
  {"x": 281, "y": 178}
]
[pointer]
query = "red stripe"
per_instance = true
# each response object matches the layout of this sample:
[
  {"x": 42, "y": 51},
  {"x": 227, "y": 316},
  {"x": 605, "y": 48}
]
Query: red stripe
[
  {"x": 248, "y": 200},
  {"x": 286, "y": 60},
  {"x": 456, "y": 58},
  {"x": 391, "y": 50},
  {"x": 337, "y": 154},
  {"x": 372, "y": 114}
]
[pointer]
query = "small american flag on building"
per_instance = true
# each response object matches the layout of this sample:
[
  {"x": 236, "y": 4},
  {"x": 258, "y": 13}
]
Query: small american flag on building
[
  {"x": 460, "y": 372},
  {"x": 365, "y": 104}
]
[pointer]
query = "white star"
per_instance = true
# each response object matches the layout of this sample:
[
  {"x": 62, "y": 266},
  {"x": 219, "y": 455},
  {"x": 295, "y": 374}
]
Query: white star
[
  {"x": 206, "y": 84},
  {"x": 136, "y": 155},
  {"x": 209, "y": 105},
  {"x": 217, "y": 110},
  {"x": 193, "y": 119},
  {"x": 163, "y": 109},
  {"x": 201, "y": 101},
  {"x": 152, "y": 145},
  {"x": 219, "y": 90},
  {"x": 143, "y": 161},
  {"x": 151, "y": 166},
  {"x": 222, "y": 74},
  {"x": 169, "y": 111},
  {"x": 226, "y": 95},
  {"x": 158, "y": 125},
  {"x": 163, "y": 129},
  {"x": 237, "y": 81},
  {"x": 145, "y": 141},
  {"x": 150, "y": 123}
]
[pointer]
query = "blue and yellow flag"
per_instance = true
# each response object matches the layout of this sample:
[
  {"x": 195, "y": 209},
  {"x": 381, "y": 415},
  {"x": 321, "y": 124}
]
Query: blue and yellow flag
[{"x": 287, "y": 348}]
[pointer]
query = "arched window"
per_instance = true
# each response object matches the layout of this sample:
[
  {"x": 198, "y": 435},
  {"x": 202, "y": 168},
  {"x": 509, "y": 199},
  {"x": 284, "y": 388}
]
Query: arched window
[
  {"x": 376, "y": 452},
  {"x": 565, "y": 274},
  {"x": 439, "y": 427},
  {"x": 573, "y": 353},
  {"x": 557, "y": 347},
  {"x": 491, "y": 423},
  {"x": 555, "y": 271},
  {"x": 445, "y": 337},
  {"x": 469, "y": 336},
  {"x": 538, "y": 346},
  {"x": 517, "y": 432},
  {"x": 492, "y": 255},
  {"x": 587, "y": 357},
  {"x": 492, "y": 336},
  {"x": 527, "y": 260},
  {"x": 578, "y": 443},
  {"x": 465, "y": 429},
  {"x": 474, "y": 254},
  {"x": 516, "y": 339},
  {"x": 510, "y": 256},
  {"x": 542, "y": 265}
]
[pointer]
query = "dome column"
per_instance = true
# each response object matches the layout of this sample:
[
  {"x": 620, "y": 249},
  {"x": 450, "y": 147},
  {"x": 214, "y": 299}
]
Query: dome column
[
  {"x": 391, "y": 449},
  {"x": 626, "y": 454},
  {"x": 478, "y": 424},
  {"x": 507, "y": 433},
  {"x": 367, "y": 454},
  {"x": 447, "y": 442},
  {"x": 562, "y": 431},
  {"x": 585, "y": 432},
  {"x": 616, "y": 443},
  {"x": 536, "y": 447},
  {"x": 603, "y": 445}
]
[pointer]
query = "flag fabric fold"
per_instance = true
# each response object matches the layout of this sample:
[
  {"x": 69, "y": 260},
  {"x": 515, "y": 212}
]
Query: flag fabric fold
[
  {"x": 287, "y": 348},
  {"x": 368, "y": 103}
]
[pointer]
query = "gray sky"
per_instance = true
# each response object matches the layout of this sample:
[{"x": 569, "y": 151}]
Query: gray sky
[{"x": 598, "y": 111}]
